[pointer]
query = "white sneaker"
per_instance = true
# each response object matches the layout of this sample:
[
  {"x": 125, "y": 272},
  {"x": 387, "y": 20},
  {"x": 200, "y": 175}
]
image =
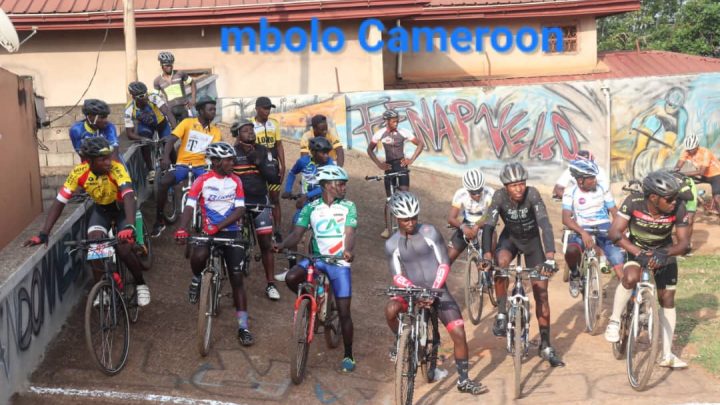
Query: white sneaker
[
  {"x": 272, "y": 292},
  {"x": 106, "y": 300},
  {"x": 673, "y": 361},
  {"x": 612, "y": 333},
  {"x": 143, "y": 295},
  {"x": 151, "y": 176},
  {"x": 281, "y": 276}
]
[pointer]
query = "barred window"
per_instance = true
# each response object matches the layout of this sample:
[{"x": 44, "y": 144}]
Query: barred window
[{"x": 569, "y": 40}]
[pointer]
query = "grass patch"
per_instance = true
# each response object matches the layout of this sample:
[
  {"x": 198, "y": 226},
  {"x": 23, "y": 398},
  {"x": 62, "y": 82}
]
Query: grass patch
[{"x": 698, "y": 301}]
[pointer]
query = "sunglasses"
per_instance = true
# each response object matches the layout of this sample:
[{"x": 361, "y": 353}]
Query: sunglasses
[
  {"x": 670, "y": 199},
  {"x": 476, "y": 192},
  {"x": 140, "y": 96}
]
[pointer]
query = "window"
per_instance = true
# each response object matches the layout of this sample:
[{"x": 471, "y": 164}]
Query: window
[{"x": 569, "y": 40}]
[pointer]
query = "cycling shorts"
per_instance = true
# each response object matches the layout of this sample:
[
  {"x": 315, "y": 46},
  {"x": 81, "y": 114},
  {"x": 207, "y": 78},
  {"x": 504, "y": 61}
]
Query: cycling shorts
[
  {"x": 145, "y": 131},
  {"x": 457, "y": 241},
  {"x": 263, "y": 221},
  {"x": 181, "y": 172},
  {"x": 447, "y": 308},
  {"x": 665, "y": 277},
  {"x": 103, "y": 216},
  {"x": 531, "y": 248},
  {"x": 614, "y": 254},
  {"x": 399, "y": 181},
  {"x": 339, "y": 277},
  {"x": 234, "y": 255},
  {"x": 714, "y": 183}
]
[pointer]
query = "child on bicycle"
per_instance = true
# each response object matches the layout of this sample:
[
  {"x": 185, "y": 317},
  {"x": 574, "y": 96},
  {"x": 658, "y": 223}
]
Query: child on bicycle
[
  {"x": 472, "y": 200},
  {"x": 219, "y": 195}
]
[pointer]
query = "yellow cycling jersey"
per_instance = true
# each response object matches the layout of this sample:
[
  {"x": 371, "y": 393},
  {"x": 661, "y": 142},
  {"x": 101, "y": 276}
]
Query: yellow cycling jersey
[
  {"x": 267, "y": 134},
  {"x": 104, "y": 189},
  {"x": 331, "y": 137},
  {"x": 194, "y": 139}
]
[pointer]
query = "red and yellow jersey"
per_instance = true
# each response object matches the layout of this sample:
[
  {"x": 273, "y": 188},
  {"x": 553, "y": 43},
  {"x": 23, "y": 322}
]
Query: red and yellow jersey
[{"x": 104, "y": 189}]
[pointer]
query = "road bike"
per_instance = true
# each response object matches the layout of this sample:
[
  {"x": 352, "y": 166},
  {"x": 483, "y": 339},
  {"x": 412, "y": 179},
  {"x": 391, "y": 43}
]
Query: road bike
[
  {"x": 418, "y": 339},
  {"x": 314, "y": 307},
  {"x": 591, "y": 286},
  {"x": 391, "y": 223},
  {"x": 196, "y": 223},
  {"x": 212, "y": 278},
  {"x": 478, "y": 282},
  {"x": 248, "y": 234}
]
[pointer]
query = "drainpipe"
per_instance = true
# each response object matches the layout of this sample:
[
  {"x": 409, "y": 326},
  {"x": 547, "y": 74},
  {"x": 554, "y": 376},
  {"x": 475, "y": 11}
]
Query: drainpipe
[
  {"x": 398, "y": 58},
  {"x": 606, "y": 91}
]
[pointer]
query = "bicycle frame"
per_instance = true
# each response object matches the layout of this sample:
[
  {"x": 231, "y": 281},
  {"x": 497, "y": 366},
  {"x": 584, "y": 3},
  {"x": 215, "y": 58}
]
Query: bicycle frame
[
  {"x": 309, "y": 290},
  {"x": 393, "y": 178},
  {"x": 196, "y": 218},
  {"x": 643, "y": 285},
  {"x": 517, "y": 299}
]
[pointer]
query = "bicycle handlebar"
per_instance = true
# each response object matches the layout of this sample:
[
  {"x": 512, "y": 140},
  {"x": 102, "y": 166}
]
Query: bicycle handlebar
[
  {"x": 216, "y": 241},
  {"x": 313, "y": 258},
  {"x": 419, "y": 292},
  {"x": 254, "y": 207},
  {"x": 85, "y": 243},
  {"x": 532, "y": 272},
  {"x": 383, "y": 176}
]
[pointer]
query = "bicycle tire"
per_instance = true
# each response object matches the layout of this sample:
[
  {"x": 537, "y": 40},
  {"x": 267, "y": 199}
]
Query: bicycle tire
[
  {"x": 404, "y": 368},
  {"x": 593, "y": 298},
  {"x": 638, "y": 372},
  {"x": 106, "y": 360},
  {"x": 518, "y": 349},
  {"x": 130, "y": 292},
  {"x": 428, "y": 360},
  {"x": 170, "y": 210},
  {"x": 300, "y": 344},
  {"x": 205, "y": 315},
  {"x": 491, "y": 290},
  {"x": 473, "y": 290},
  {"x": 620, "y": 347},
  {"x": 146, "y": 258},
  {"x": 331, "y": 327}
]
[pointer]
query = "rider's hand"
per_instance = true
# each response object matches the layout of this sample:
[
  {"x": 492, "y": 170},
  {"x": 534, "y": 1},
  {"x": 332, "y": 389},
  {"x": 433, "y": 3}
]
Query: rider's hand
[
  {"x": 127, "y": 234},
  {"x": 548, "y": 268},
  {"x": 658, "y": 258},
  {"x": 468, "y": 232},
  {"x": 211, "y": 229},
  {"x": 277, "y": 247},
  {"x": 588, "y": 240},
  {"x": 384, "y": 166},
  {"x": 181, "y": 236},
  {"x": 643, "y": 258},
  {"x": 488, "y": 256},
  {"x": 426, "y": 302},
  {"x": 41, "y": 238},
  {"x": 405, "y": 162},
  {"x": 285, "y": 195},
  {"x": 348, "y": 256},
  {"x": 300, "y": 202},
  {"x": 164, "y": 163}
]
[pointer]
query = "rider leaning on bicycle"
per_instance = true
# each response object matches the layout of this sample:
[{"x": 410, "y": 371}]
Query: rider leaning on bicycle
[
  {"x": 417, "y": 256},
  {"x": 650, "y": 218},
  {"x": 95, "y": 124},
  {"x": 706, "y": 164},
  {"x": 471, "y": 201},
  {"x": 219, "y": 195},
  {"x": 107, "y": 182}
]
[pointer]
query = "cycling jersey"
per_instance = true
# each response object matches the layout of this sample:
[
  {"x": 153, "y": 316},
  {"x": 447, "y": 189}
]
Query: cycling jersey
[
  {"x": 104, "y": 189},
  {"x": 471, "y": 210},
  {"x": 255, "y": 171},
  {"x": 522, "y": 221},
  {"x": 648, "y": 232},
  {"x": 194, "y": 139},
  {"x": 307, "y": 169},
  {"x": 703, "y": 158},
  {"x": 267, "y": 134},
  {"x": 81, "y": 130},
  {"x": 393, "y": 142},
  {"x": 331, "y": 137},
  {"x": 328, "y": 223},
  {"x": 567, "y": 180},
  {"x": 218, "y": 196},
  {"x": 589, "y": 208},
  {"x": 150, "y": 115},
  {"x": 174, "y": 87}
]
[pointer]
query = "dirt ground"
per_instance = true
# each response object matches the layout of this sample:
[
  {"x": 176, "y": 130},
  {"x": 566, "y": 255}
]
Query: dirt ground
[{"x": 164, "y": 364}]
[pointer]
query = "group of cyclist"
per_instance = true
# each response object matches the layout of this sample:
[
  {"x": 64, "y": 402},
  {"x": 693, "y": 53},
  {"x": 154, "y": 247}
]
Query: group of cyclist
[{"x": 249, "y": 174}]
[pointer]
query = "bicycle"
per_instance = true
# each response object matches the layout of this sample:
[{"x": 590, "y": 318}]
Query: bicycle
[
  {"x": 156, "y": 152},
  {"x": 315, "y": 301},
  {"x": 590, "y": 283},
  {"x": 391, "y": 225},
  {"x": 477, "y": 281},
  {"x": 185, "y": 191},
  {"x": 518, "y": 327},
  {"x": 417, "y": 342},
  {"x": 111, "y": 305},
  {"x": 248, "y": 234},
  {"x": 212, "y": 278},
  {"x": 639, "y": 328}
]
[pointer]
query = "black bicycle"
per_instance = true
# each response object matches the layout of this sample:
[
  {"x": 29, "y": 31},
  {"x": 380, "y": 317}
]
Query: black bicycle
[
  {"x": 248, "y": 234},
  {"x": 391, "y": 224}
]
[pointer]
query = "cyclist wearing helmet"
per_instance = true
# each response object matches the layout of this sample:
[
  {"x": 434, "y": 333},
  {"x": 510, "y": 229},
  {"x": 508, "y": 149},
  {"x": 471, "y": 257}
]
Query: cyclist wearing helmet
[
  {"x": 194, "y": 134},
  {"x": 566, "y": 180},
  {"x": 172, "y": 84},
  {"x": 256, "y": 171},
  {"x": 107, "y": 182},
  {"x": 650, "y": 218},
  {"x": 524, "y": 215},
  {"x": 706, "y": 165},
  {"x": 95, "y": 124},
  {"x": 219, "y": 193},
  {"x": 417, "y": 256},
  {"x": 393, "y": 140},
  {"x": 333, "y": 220},
  {"x": 588, "y": 205},
  {"x": 320, "y": 129},
  {"x": 470, "y": 202}
]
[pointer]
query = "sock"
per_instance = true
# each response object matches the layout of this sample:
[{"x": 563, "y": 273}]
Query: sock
[
  {"x": 462, "y": 369},
  {"x": 348, "y": 351},
  {"x": 574, "y": 271},
  {"x": 667, "y": 322},
  {"x": 291, "y": 263},
  {"x": 622, "y": 296},
  {"x": 502, "y": 303},
  {"x": 242, "y": 317},
  {"x": 544, "y": 336}
]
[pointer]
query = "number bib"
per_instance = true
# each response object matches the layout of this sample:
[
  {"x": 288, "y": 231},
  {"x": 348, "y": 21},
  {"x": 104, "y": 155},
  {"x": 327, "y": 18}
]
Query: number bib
[{"x": 197, "y": 142}]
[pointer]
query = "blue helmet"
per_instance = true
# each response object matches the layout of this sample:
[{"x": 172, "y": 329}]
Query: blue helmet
[{"x": 583, "y": 168}]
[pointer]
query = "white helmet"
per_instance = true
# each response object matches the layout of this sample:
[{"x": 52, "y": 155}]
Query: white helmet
[
  {"x": 220, "y": 150},
  {"x": 404, "y": 204},
  {"x": 691, "y": 142},
  {"x": 473, "y": 180}
]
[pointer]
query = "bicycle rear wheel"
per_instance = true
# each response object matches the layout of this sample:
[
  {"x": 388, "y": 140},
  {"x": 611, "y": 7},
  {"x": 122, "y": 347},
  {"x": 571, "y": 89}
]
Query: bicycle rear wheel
[
  {"x": 332, "y": 321},
  {"x": 518, "y": 349},
  {"x": 592, "y": 298},
  {"x": 107, "y": 328},
  {"x": 428, "y": 356},
  {"x": 474, "y": 290},
  {"x": 643, "y": 342},
  {"x": 405, "y": 368},
  {"x": 205, "y": 313},
  {"x": 300, "y": 343},
  {"x": 170, "y": 210}
]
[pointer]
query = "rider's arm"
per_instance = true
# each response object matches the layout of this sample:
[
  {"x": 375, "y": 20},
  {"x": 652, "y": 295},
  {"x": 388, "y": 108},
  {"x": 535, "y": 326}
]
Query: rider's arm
[
  {"x": 340, "y": 156},
  {"x": 53, "y": 214},
  {"x": 66, "y": 191},
  {"x": 682, "y": 231},
  {"x": 294, "y": 171},
  {"x": 176, "y": 133},
  {"x": 128, "y": 197},
  {"x": 393, "y": 256},
  {"x": 191, "y": 203},
  {"x": 193, "y": 92},
  {"x": 543, "y": 222},
  {"x": 281, "y": 157},
  {"x": 130, "y": 124},
  {"x": 371, "y": 153},
  {"x": 168, "y": 115},
  {"x": 619, "y": 226},
  {"x": 239, "y": 206},
  {"x": 419, "y": 146},
  {"x": 453, "y": 217},
  {"x": 561, "y": 184},
  {"x": 490, "y": 221},
  {"x": 570, "y": 223},
  {"x": 435, "y": 240}
]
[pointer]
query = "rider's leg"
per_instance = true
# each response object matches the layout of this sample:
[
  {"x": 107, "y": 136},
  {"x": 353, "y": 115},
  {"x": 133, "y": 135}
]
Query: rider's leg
[
  {"x": 456, "y": 245},
  {"x": 572, "y": 258},
  {"x": 274, "y": 193},
  {"x": 392, "y": 309},
  {"x": 542, "y": 310},
  {"x": 167, "y": 181},
  {"x": 296, "y": 275},
  {"x": 341, "y": 281},
  {"x": 346, "y": 324},
  {"x": 127, "y": 254},
  {"x": 268, "y": 259},
  {"x": 449, "y": 314},
  {"x": 503, "y": 259},
  {"x": 631, "y": 276},
  {"x": 666, "y": 280}
]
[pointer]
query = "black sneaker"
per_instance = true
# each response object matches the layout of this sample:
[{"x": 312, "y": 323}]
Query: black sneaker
[
  {"x": 500, "y": 327},
  {"x": 194, "y": 290},
  {"x": 471, "y": 387},
  {"x": 548, "y": 353},
  {"x": 278, "y": 237},
  {"x": 157, "y": 229},
  {"x": 245, "y": 337},
  {"x": 393, "y": 353}
]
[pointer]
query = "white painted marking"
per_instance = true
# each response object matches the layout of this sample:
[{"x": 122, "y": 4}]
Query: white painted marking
[{"x": 129, "y": 396}]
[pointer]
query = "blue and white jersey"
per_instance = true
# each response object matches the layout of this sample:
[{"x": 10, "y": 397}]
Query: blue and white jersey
[
  {"x": 590, "y": 208},
  {"x": 218, "y": 197}
]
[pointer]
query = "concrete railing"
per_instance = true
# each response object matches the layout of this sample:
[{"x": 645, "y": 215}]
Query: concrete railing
[{"x": 39, "y": 287}]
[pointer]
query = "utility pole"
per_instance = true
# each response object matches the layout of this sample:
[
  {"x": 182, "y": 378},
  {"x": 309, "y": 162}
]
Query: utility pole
[{"x": 130, "y": 42}]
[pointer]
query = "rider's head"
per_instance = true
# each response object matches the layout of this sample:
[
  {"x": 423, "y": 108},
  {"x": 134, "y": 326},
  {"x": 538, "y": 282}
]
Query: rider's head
[
  {"x": 319, "y": 125},
  {"x": 585, "y": 173},
  {"x": 222, "y": 156},
  {"x": 262, "y": 107},
  {"x": 391, "y": 118},
  {"x": 243, "y": 130},
  {"x": 661, "y": 189},
  {"x": 205, "y": 107},
  {"x": 674, "y": 100},
  {"x": 692, "y": 142},
  {"x": 474, "y": 181},
  {"x": 96, "y": 113},
  {"x": 139, "y": 93},
  {"x": 98, "y": 152},
  {"x": 333, "y": 180},
  {"x": 319, "y": 148},
  {"x": 166, "y": 59},
  {"x": 405, "y": 206},
  {"x": 586, "y": 155},
  {"x": 514, "y": 177}
]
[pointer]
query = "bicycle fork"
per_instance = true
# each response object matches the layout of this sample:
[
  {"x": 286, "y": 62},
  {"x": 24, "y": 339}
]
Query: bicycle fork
[{"x": 518, "y": 301}]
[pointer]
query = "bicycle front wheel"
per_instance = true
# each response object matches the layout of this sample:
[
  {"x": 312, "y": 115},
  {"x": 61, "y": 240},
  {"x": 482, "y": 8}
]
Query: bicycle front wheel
[
  {"x": 332, "y": 321},
  {"x": 519, "y": 350},
  {"x": 130, "y": 290},
  {"x": 205, "y": 313},
  {"x": 620, "y": 347},
  {"x": 643, "y": 341},
  {"x": 170, "y": 210},
  {"x": 405, "y": 368},
  {"x": 428, "y": 355},
  {"x": 593, "y": 298},
  {"x": 474, "y": 290},
  {"x": 300, "y": 343},
  {"x": 107, "y": 328},
  {"x": 145, "y": 252}
]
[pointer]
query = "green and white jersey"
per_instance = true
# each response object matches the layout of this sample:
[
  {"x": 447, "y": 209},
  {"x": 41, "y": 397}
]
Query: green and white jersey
[{"x": 328, "y": 224}]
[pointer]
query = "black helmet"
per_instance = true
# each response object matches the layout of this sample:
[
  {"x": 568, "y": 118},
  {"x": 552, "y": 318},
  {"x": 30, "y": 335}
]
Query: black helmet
[
  {"x": 513, "y": 173},
  {"x": 93, "y": 106},
  {"x": 390, "y": 114},
  {"x": 95, "y": 146},
  {"x": 319, "y": 143},
  {"x": 235, "y": 128},
  {"x": 137, "y": 89},
  {"x": 202, "y": 100},
  {"x": 166, "y": 58},
  {"x": 662, "y": 183}
]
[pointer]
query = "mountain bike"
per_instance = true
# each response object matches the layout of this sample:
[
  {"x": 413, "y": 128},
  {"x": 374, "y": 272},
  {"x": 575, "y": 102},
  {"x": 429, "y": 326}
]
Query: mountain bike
[
  {"x": 213, "y": 275},
  {"x": 418, "y": 340},
  {"x": 248, "y": 234},
  {"x": 314, "y": 307},
  {"x": 391, "y": 223},
  {"x": 591, "y": 286},
  {"x": 478, "y": 282}
]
